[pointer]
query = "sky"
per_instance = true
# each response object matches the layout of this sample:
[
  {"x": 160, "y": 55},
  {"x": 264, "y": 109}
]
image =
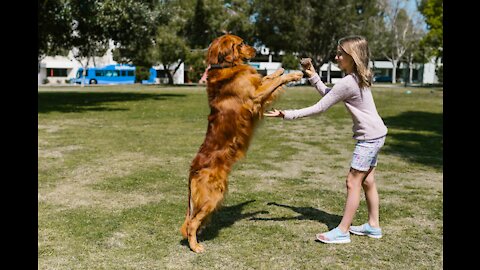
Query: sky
[{"x": 413, "y": 12}]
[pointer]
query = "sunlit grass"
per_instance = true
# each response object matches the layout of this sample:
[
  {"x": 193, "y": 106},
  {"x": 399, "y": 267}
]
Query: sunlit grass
[{"x": 112, "y": 183}]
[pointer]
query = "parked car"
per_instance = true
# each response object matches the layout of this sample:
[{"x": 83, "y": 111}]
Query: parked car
[{"x": 382, "y": 78}]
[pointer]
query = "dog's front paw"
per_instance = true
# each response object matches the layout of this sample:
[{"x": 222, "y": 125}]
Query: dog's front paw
[
  {"x": 275, "y": 74},
  {"x": 294, "y": 76},
  {"x": 279, "y": 71},
  {"x": 198, "y": 248}
]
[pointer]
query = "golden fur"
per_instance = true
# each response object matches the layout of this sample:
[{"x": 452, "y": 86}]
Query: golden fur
[{"x": 237, "y": 96}]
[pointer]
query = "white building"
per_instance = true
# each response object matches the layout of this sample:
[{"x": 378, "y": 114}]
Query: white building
[
  {"x": 383, "y": 70},
  {"x": 421, "y": 73},
  {"x": 57, "y": 70}
]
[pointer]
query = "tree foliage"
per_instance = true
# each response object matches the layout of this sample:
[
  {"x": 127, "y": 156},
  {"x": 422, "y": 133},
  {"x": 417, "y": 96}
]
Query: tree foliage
[
  {"x": 169, "y": 50},
  {"x": 432, "y": 10},
  {"x": 197, "y": 31},
  {"x": 89, "y": 36},
  {"x": 401, "y": 34},
  {"x": 290, "y": 61},
  {"x": 54, "y": 28},
  {"x": 149, "y": 32},
  {"x": 313, "y": 27},
  {"x": 132, "y": 27}
]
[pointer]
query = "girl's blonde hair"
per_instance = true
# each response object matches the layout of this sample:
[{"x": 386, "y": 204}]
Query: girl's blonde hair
[{"x": 357, "y": 48}]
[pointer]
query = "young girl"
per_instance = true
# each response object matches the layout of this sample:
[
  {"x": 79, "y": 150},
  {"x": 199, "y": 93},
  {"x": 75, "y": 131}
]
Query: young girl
[{"x": 368, "y": 129}]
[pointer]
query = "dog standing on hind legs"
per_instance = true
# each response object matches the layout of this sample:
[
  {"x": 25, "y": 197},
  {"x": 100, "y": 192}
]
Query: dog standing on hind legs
[{"x": 237, "y": 96}]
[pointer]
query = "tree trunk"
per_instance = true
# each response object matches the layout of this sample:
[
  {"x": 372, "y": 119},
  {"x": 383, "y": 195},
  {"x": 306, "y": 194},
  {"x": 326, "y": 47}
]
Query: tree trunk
[
  {"x": 169, "y": 74},
  {"x": 394, "y": 71},
  {"x": 410, "y": 75}
]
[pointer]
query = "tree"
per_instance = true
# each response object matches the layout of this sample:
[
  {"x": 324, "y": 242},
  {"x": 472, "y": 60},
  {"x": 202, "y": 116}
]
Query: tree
[
  {"x": 88, "y": 36},
  {"x": 278, "y": 33},
  {"x": 313, "y": 27},
  {"x": 132, "y": 26},
  {"x": 290, "y": 61},
  {"x": 197, "y": 31},
  {"x": 196, "y": 63},
  {"x": 54, "y": 28},
  {"x": 432, "y": 43},
  {"x": 169, "y": 50},
  {"x": 237, "y": 19},
  {"x": 400, "y": 35},
  {"x": 170, "y": 44}
]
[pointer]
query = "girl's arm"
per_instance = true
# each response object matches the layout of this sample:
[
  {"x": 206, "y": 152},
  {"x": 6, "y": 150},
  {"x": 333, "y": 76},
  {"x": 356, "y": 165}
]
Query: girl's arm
[
  {"x": 338, "y": 93},
  {"x": 318, "y": 84}
]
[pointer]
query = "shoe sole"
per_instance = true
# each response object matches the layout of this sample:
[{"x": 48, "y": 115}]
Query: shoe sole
[
  {"x": 345, "y": 241},
  {"x": 369, "y": 235}
]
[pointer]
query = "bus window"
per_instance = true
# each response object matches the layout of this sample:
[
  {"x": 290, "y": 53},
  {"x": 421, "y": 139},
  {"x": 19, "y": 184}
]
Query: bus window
[
  {"x": 112, "y": 73},
  {"x": 108, "y": 73},
  {"x": 99, "y": 73},
  {"x": 130, "y": 73},
  {"x": 124, "y": 73}
]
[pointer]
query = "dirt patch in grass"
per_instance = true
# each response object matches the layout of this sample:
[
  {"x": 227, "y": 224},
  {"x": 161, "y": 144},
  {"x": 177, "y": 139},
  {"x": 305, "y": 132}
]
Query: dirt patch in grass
[
  {"x": 74, "y": 191},
  {"x": 56, "y": 152}
]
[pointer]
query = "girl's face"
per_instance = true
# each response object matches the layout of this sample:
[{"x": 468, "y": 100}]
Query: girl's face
[{"x": 345, "y": 62}]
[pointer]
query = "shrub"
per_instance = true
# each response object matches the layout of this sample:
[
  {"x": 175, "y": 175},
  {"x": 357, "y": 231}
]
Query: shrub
[
  {"x": 196, "y": 62},
  {"x": 290, "y": 61},
  {"x": 141, "y": 73}
]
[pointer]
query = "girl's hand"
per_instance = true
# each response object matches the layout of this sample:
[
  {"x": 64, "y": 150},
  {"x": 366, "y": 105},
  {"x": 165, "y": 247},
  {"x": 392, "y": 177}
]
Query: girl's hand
[
  {"x": 310, "y": 71},
  {"x": 308, "y": 66},
  {"x": 274, "y": 113}
]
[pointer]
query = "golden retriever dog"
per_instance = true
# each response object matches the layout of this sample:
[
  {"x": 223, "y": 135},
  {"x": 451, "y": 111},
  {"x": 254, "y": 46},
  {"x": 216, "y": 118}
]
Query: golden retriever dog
[{"x": 237, "y": 96}]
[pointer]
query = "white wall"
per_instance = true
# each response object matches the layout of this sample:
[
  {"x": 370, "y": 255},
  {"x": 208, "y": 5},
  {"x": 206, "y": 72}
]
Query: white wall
[
  {"x": 429, "y": 76},
  {"x": 269, "y": 66}
]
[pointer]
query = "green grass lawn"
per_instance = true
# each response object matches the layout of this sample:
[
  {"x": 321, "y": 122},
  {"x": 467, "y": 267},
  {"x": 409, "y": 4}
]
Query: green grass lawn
[{"x": 113, "y": 163}]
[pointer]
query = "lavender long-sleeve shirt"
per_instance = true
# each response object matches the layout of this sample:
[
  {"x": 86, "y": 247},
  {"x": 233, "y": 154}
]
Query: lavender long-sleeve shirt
[{"x": 367, "y": 123}]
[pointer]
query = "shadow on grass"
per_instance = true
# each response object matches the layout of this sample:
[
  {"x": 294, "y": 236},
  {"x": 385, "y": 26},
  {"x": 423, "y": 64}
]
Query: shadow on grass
[
  {"x": 307, "y": 213},
  {"x": 66, "y": 102},
  {"x": 224, "y": 218},
  {"x": 420, "y": 139}
]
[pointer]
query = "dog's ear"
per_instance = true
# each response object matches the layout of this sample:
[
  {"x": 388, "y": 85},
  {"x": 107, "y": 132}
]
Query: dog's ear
[
  {"x": 226, "y": 50},
  {"x": 212, "y": 56}
]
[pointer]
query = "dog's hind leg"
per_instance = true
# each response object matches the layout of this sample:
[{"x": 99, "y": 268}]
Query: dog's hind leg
[
  {"x": 195, "y": 223},
  {"x": 183, "y": 229}
]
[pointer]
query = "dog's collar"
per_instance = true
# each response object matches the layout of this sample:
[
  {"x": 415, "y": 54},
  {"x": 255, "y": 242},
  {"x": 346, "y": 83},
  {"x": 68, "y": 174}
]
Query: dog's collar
[{"x": 220, "y": 66}]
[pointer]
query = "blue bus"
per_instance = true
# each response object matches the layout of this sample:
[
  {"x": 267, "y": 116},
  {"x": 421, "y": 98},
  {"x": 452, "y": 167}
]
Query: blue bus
[{"x": 111, "y": 74}]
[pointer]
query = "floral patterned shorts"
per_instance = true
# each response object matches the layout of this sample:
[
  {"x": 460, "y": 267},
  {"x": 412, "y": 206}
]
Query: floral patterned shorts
[{"x": 365, "y": 153}]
